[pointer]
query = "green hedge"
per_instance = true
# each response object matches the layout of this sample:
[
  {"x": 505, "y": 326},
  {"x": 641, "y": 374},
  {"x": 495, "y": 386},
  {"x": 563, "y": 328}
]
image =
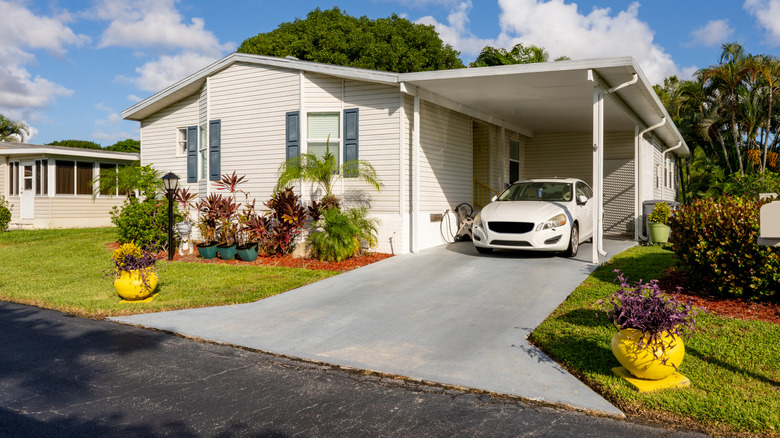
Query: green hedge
[{"x": 716, "y": 241}]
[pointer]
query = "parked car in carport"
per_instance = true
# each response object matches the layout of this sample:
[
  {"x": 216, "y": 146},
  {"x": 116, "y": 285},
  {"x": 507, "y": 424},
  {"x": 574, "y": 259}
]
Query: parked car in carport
[{"x": 550, "y": 214}]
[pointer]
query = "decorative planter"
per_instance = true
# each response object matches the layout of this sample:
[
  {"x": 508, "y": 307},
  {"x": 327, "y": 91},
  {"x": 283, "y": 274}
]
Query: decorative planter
[
  {"x": 226, "y": 252},
  {"x": 130, "y": 285},
  {"x": 640, "y": 362},
  {"x": 248, "y": 254},
  {"x": 207, "y": 251},
  {"x": 659, "y": 233}
]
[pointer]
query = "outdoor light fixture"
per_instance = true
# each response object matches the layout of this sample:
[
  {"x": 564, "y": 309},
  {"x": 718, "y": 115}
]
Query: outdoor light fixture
[{"x": 171, "y": 182}]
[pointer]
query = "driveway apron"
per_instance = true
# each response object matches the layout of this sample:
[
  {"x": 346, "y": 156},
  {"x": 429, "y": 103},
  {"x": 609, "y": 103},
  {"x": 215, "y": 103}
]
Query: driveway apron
[{"x": 447, "y": 315}]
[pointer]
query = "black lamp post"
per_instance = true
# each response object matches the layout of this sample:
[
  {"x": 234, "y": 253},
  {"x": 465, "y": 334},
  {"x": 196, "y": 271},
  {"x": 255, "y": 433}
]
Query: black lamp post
[{"x": 170, "y": 181}]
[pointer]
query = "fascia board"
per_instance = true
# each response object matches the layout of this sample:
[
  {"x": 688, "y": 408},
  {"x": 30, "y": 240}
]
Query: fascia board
[{"x": 87, "y": 153}]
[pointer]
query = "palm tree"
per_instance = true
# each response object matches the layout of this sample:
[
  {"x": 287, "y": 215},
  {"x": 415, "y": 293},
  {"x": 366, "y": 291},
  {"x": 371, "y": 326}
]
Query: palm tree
[
  {"x": 325, "y": 171},
  {"x": 13, "y": 131},
  {"x": 728, "y": 79},
  {"x": 768, "y": 67}
]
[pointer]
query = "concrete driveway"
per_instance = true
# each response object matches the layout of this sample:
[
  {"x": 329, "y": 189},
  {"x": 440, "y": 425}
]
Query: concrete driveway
[{"x": 446, "y": 315}]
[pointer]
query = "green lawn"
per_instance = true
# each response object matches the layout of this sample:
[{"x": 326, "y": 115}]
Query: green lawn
[
  {"x": 62, "y": 270},
  {"x": 733, "y": 365}
]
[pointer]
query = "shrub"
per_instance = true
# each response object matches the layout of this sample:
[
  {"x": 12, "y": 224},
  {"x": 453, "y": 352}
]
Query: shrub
[
  {"x": 144, "y": 222},
  {"x": 287, "y": 220},
  {"x": 339, "y": 233},
  {"x": 716, "y": 242},
  {"x": 5, "y": 214}
]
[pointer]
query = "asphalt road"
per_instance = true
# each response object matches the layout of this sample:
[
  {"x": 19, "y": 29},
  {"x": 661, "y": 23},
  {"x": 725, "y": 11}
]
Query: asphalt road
[{"x": 66, "y": 376}]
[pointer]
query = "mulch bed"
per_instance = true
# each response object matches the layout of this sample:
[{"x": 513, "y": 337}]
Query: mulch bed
[
  {"x": 282, "y": 261},
  {"x": 729, "y": 307}
]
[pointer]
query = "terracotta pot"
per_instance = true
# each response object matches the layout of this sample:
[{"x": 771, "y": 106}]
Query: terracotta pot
[
  {"x": 640, "y": 361},
  {"x": 130, "y": 285}
]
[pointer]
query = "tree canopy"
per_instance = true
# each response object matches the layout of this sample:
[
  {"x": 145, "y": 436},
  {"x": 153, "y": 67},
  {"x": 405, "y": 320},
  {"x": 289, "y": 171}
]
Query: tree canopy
[
  {"x": 520, "y": 54},
  {"x": 12, "y": 130},
  {"x": 730, "y": 111},
  {"x": 331, "y": 36},
  {"x": 128, "y": 145},
  {"x": 84, "y": 144}
]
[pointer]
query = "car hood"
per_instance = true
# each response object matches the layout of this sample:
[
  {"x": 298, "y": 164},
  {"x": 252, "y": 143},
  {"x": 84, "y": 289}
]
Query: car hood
[{"x": 522, "y": 211}]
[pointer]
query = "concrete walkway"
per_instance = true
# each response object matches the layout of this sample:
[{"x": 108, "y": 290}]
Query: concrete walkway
[{"x": 445, "y": 315}]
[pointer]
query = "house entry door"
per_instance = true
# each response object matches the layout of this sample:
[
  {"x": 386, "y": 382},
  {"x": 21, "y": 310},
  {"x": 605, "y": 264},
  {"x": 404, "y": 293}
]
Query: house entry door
[{"x": 27, "y": 190}]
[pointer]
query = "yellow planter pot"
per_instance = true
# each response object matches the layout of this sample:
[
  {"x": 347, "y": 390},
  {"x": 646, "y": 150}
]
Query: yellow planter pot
[
  {"x": 130, "y": 285},
  {"x": 640, "y": 362}
]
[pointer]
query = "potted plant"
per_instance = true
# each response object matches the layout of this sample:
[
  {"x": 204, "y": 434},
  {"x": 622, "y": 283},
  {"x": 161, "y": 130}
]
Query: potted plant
[
  {"x": 651, "y": 327},
  {"x": 207, "y": 226},
  {"x": 252, "y": 229},
  {"x": 133, "y": 272},
  {"x": 227, "y": 229},
  {"x": 659, "y": 220}
]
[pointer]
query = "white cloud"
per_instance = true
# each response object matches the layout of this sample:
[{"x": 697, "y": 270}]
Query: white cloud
[
  {"x": 156, "y": 25},
  {"x": 713, "y": 33},
  {"x": 767, "y": 14},
  {"x": 457, "y": 34},
  {"x": 164, "y": 71},
  {"x": 113, "y": 137},
  {"x": 112, "y": 118},
  {"x": 21, "y": 93},
  {"x": 133, "y": 98},
  {"x": 563, "y": 30}
]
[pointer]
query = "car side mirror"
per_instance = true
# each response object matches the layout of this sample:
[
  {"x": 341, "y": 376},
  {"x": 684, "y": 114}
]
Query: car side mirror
[
  {"x": 493, "y": 198},
  {"x": 582, "y": 199}
]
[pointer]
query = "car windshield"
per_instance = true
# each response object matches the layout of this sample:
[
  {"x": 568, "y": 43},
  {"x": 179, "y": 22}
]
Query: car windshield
[{"x": 537, "y": 191}]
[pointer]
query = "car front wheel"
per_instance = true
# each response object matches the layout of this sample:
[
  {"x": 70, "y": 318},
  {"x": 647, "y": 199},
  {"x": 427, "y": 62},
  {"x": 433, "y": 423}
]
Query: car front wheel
[{"x": 574, "y": 242}]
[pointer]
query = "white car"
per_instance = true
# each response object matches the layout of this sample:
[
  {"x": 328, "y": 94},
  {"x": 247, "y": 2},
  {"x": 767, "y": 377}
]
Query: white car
[{"x": 550, "y": 214}]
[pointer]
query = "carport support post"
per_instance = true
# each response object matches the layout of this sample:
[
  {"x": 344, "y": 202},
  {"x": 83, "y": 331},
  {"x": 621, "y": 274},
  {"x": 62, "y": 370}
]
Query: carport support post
[{"x": 598, "y": 189}]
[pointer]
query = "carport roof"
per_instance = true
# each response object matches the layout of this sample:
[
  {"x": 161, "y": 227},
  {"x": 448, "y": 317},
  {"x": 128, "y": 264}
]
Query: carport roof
[{"x": 530, "y": 98}]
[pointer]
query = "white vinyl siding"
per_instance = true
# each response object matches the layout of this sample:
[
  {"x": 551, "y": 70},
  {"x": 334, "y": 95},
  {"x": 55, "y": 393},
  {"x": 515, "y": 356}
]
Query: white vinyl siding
[
  {"x": 251, "y": 102},
  {"x": 481, "y": 153},
  {"x": 159, "y": 137}
]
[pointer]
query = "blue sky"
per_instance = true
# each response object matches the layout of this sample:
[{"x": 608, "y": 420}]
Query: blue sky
[{"x": 69, "y": 68}]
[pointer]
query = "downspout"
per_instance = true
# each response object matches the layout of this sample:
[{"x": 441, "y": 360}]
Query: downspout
[
  {"x": 639, "y": 230},
  {"x": 598, "y": 158},
  {"x": 663, "y": 160}
]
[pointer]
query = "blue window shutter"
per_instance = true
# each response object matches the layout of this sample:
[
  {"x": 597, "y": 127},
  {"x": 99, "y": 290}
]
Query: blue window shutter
[
  {"x": 350, "y": 140},
  {"x": 192, "y": 154},
  {"x": 293, "y": 134},
  {"x": 215, "y": 149}
]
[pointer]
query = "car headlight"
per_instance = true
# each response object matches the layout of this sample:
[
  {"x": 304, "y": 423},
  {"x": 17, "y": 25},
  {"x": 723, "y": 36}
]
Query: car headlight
[
  {"x": 477, "y": 220},
  {"x": 556, "y": 221}
]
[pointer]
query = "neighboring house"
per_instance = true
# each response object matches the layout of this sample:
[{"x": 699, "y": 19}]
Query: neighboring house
[
  {"x": 50, "y": 186},
  {"x": 436, "y": 139}
]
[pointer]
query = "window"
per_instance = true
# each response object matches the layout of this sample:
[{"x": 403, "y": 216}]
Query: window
[
  {"x": 84, "y": 176},
  {"x": 65, "y": 177},
  {"x": 203, "y": 150},
  {"x": 584, "y": 189},
  {"x": 107, "y": 173},
  {"x": 323, "y": 134},
  {"x": 514, "y": 161},
  {"x": 181, "y": 142},
  {"x": 13, "y": 178},
  {"x": 42, "y": 177}
]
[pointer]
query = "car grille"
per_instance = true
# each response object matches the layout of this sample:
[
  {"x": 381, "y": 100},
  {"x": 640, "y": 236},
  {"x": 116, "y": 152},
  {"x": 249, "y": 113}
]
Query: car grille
[
  {"x": 519, "y": 243},
  {"x": 511, "y": 227}
]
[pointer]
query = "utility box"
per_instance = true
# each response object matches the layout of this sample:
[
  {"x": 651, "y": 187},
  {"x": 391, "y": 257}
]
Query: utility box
[{"x": 769, "y": 222}]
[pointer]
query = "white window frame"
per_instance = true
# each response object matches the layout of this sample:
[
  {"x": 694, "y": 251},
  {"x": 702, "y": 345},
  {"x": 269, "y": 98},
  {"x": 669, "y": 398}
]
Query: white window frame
[
  {"x": 203, "y": 152},
  {"x": 181, "y": 142},
  {"x": 334, "y": 144}
]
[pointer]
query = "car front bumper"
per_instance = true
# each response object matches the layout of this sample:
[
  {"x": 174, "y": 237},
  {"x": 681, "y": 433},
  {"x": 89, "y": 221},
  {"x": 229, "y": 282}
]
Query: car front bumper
[{"x": 552, "y": 239}]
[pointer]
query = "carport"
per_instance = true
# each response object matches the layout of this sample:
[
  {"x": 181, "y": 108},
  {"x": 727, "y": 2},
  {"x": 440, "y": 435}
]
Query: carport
[{"x": 597, "y": 96}]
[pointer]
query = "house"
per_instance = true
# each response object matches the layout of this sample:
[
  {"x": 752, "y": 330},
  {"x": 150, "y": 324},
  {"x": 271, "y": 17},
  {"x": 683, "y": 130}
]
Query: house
[
  {"x": 50, "y": 186},
  {"x": 436, "y": 139}
]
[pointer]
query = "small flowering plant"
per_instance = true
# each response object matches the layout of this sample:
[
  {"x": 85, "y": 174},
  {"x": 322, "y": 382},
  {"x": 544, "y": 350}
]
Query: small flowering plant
[
  {"x": 643, "y": 307},
  {"x": 130, "y": 258}
]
